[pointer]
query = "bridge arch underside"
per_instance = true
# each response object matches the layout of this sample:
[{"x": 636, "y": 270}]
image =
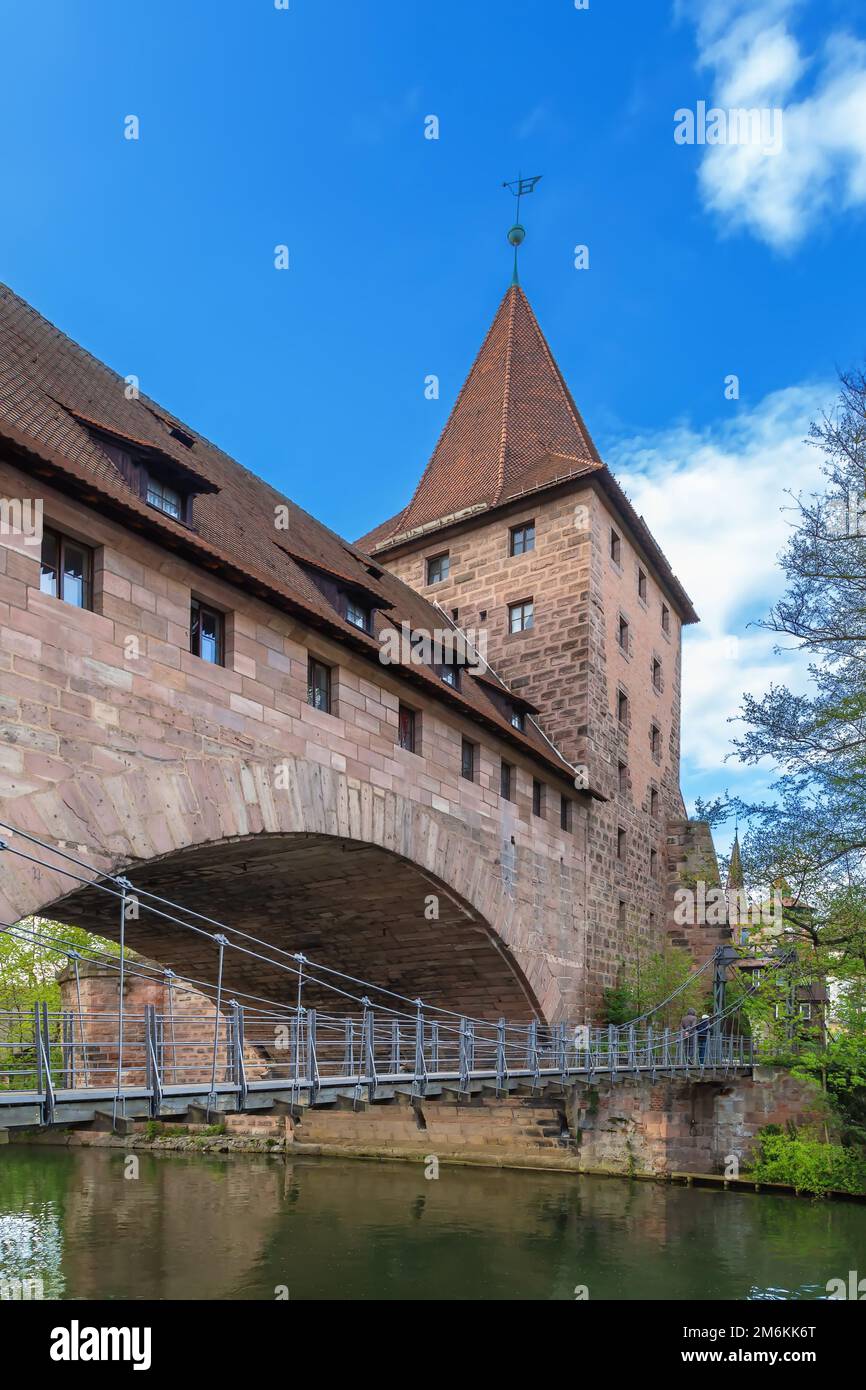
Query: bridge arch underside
[{"x": 350, "y": 905}]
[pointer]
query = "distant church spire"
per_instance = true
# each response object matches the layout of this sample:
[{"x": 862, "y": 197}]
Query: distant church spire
[
  {"x": 517, "y": 235},
  {"x": 735, "y": 868}
]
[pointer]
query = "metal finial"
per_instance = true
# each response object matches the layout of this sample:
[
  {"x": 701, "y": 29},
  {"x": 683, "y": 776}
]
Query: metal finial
[{"x": 517, "y": 234}]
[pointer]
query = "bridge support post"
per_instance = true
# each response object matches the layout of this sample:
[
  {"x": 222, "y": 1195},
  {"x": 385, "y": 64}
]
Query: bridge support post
[
  {"x": 419, "y": 1081},
  {"x": 151, "y": 1044},
  {"x": 222, "y": 942},
  {"x": 118, "y": 1105},
  {"x": 44, "y": 1036},
  {"x": 312, "y": 1066},
  {"x": 561, "y": 1051},
  {"x": 240, "y": 1070},
  {"x": 532, "y": 1052},
  {"x": 501, "y": 1063},
  {"x": 367, "y": 1060},
  {"x": 465, "y": 1063}
]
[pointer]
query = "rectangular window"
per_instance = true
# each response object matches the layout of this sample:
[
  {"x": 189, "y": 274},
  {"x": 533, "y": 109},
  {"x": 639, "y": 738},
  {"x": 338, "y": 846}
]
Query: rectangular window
[
  {"x": 521, "y": 538},
  {"x": 654, "y": 801},
  {"x": 666, "y": 618},
  {"x": 564, "y": 813},
  {"x": 164, "y": 498},
  {"x": 206, "y": 633},
  {"x": 654, "y": 863},
  {"x": 655, "y": 740},
  {"x": 467, "y": 760},
  {"x": 67, "y": 570},
  {"x": 407, "y": 727},
  {"x": 622, "y": 778},
  {"x": 318, "y": 685},
  {"x": 357, "y": 615},
  {"x": 521, "y": 616},
  {"x": 623, "y": 633},
  {"x": 506, "y": 781},
  {"x": 518, "y": 720},
  {"x": 657, "y": 674},
  {"x": 622, "y": 707},
  {"x": 806, "y": 1010},
  {"x": 615, "y": 546},
  {"x": 641, "y": 585},
  {"x": 537, "y": 797},
  {"x": 620, "y": 913},
  {"x": 438, "y": 568},
  {"x": 620, "y": 843}
]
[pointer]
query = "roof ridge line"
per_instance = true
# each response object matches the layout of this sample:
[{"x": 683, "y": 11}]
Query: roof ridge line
[{"x": 513, "y": 291}]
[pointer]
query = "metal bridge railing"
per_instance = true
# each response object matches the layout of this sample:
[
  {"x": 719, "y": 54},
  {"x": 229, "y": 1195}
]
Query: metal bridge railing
[{"x": 69, "y": 1053}]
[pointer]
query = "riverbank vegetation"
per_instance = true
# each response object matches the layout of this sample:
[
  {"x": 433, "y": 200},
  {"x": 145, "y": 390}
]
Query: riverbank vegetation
[{"x": 805, "y": 845}]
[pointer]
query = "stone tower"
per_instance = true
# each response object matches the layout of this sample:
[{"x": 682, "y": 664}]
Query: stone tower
[{"x": 518, "y": 529}]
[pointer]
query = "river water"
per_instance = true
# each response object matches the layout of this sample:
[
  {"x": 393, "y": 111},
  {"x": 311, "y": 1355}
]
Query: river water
[{"x": 259, "y": 1227}]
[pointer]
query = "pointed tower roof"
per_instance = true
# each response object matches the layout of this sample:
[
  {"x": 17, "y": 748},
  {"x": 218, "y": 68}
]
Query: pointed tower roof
[
  {"x": 735, "y": 868},
  {"x": 513, "y": 428}
]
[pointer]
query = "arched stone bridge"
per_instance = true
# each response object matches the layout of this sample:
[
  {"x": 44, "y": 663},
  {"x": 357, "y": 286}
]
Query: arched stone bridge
[{"x": 362, "y": 879}]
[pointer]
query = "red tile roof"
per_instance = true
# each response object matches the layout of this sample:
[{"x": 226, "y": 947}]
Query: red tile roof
[
  {"x": 50, "y": 388},
  {"x": 513, "y": 411},
  {"x": 514, "y": 430}
]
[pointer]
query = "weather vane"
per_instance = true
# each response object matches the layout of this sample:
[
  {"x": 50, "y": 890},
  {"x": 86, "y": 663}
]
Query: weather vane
[{"x": 517, "y": 235}]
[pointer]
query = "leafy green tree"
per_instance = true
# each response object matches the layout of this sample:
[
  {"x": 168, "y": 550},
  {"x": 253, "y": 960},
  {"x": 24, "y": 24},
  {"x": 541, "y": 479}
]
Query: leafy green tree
[
  {"x": 31, "y": 957},
  {"x": 811, "y": 833},
  {"x": 645, "y": 983}
]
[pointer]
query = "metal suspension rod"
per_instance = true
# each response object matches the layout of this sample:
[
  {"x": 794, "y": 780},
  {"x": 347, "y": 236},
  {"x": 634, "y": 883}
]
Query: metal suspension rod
[
  {"x": 118, "y": 1093},
  {"x": 211, "y": 1100}
]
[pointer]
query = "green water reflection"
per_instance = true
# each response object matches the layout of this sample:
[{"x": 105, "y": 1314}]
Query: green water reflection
[{"x": 240, "y": 1226}]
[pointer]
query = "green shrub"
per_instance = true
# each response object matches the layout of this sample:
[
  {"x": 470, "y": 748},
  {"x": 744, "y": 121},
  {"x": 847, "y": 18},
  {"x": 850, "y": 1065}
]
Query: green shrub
[{"x": 808, "y": 1165}]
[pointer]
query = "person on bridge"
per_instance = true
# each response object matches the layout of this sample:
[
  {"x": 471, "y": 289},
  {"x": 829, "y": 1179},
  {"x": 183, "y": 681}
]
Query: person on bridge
[
  {"x": 688, "y": 1024},
  {"x": 703, "y": 1031}
]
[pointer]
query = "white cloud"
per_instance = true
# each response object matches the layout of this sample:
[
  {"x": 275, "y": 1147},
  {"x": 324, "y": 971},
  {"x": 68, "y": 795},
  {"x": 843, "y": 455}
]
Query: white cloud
[
  {"x": 755, "y": 60},
  {"x": 715, "y": 500}
]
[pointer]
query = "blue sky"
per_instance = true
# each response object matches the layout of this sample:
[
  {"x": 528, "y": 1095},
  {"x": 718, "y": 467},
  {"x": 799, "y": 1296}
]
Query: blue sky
[{"x": 305, "y": 127}]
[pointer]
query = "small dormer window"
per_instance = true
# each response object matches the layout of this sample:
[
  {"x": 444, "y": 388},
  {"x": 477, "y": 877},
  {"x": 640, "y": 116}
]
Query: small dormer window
[
  {"x": 518, "y": 719},
  {"x": 450, "y": 675},
  {"x": 164, "y": 498},
  {"x": 358, "y": 615}
]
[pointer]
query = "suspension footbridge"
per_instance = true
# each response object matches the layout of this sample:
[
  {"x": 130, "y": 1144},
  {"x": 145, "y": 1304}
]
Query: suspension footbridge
[{"x": 248, "y": 1053}]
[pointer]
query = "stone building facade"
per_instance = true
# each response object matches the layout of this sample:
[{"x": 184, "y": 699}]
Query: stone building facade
[
  {"x": 516, "y": 506},
  {"x": 193, "y": 690}
]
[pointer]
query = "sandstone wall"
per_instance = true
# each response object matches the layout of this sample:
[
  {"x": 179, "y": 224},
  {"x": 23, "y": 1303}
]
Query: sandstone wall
[
  {"x": 115, "y": 739},
  {"x": 571, "y": 666}
]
